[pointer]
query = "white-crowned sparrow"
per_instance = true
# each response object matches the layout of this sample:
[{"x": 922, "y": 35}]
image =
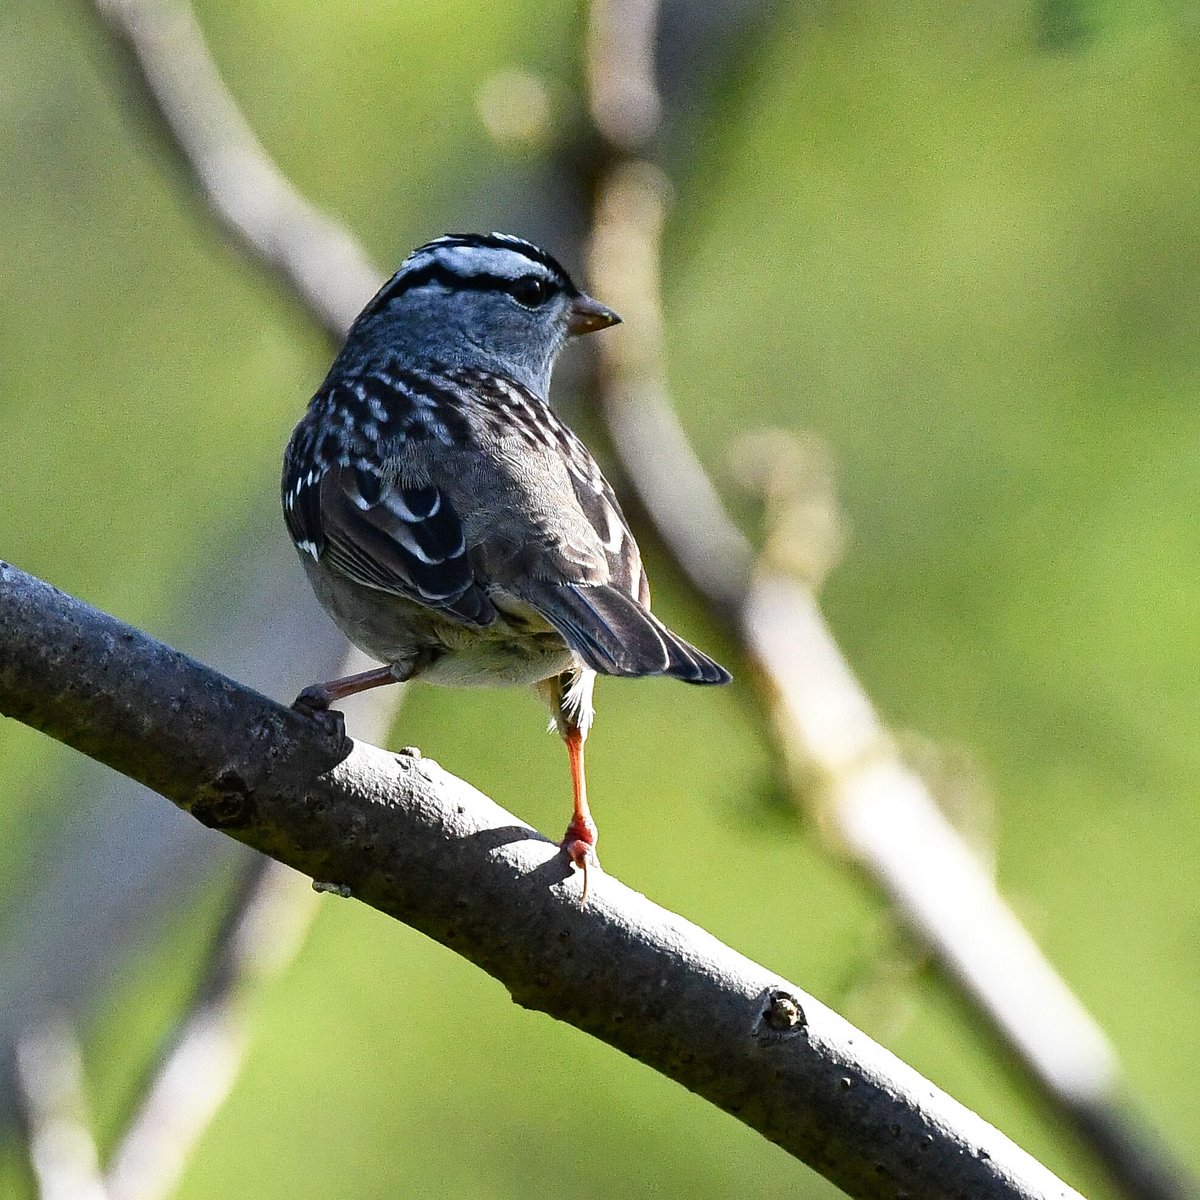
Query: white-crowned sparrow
[{"x": 450, "y": 523}]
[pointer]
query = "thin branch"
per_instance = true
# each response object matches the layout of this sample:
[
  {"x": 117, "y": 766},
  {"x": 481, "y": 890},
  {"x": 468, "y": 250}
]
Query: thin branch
[
  {"x": 199, "y": 1064},
  {"x": 881, "y": 813},
  {"x": 679, "y": 498},
  {"x": 405, "y": 837},
  {"x": 252, "y": 198},
  {"x": 49, "y": 1078}
]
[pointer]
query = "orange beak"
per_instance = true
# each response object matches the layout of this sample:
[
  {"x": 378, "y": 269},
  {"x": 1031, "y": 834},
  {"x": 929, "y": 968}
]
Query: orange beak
[{"x": 588, "y": 315}]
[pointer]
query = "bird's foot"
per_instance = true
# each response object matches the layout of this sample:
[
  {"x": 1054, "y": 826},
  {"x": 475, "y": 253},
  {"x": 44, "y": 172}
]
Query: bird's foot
[
  {"x": 579, "y": 845},
  {"x": 314, "y": 703},
  {"x": 317, "y": 697},
  {"x": 314, "y": 699}
]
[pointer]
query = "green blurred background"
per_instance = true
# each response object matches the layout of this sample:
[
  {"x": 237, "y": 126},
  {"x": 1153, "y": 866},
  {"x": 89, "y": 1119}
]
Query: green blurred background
[{"x": 957, "y": 242}]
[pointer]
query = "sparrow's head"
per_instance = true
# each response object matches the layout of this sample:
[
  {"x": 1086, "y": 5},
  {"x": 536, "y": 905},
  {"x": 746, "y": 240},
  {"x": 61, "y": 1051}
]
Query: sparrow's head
[{"x": 485, "y": 299}]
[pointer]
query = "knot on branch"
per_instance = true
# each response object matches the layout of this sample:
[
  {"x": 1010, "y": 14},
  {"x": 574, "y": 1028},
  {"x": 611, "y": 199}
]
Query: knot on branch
[
  {"x": 226, "y": 803},
  {"x": 781, "y": 1015}
]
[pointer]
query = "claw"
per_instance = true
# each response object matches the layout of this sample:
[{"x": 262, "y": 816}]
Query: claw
[
  {"x": 314, "y": 699},
  {"x": 579, "y": 845},
  {"x": 313, "y": 703},
  {"x": 582, "y": 855}
]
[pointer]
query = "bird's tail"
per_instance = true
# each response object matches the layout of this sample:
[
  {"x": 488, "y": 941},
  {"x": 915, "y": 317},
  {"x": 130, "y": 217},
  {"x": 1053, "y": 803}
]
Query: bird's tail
[{"x": 615, "y": 635}]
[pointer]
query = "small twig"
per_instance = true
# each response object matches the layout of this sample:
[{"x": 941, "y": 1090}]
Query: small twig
[
  {"x": 62, "y": 1150},
  {"x": 265, "y": 926},
  {"x": 425, "y": 848}
]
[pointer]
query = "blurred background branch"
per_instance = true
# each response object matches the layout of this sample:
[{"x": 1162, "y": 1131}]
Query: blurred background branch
[
  {"x": 879, "y": 812},
  {"x": 198, "y": 1063},
  {"x": 242, "y": 186},
  {"x": 58, "y": 1125}
]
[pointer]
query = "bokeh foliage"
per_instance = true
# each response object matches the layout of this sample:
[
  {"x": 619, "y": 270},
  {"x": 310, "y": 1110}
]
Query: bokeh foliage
[{"x": 956, "y": 242}]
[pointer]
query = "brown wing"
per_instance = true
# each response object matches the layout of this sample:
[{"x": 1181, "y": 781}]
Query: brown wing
[
  {"x": 603, "y": 511},
  {"x": 580, "y": 567}
]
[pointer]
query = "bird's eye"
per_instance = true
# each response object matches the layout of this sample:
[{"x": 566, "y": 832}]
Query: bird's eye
[{"x": 530, "y": 290}]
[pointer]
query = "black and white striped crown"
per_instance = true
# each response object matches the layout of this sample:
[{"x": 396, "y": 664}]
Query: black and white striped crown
[{"x": 476, "y": 262}]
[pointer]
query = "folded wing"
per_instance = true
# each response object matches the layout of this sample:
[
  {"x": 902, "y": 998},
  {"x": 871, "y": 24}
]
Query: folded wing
[
  {"x": 615, "y": 635},
  {"x": 405, "y": 540}
]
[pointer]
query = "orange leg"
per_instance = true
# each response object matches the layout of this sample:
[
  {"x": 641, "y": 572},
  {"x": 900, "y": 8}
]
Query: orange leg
[
  {"x": 580, "y": 840},
  {"x": 319, "y": 696}
]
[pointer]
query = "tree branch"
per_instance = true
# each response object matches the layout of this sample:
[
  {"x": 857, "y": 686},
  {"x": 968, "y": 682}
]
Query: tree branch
[
  {"x": 243, "y": 188},
  {"x": 424, "y": 847}
]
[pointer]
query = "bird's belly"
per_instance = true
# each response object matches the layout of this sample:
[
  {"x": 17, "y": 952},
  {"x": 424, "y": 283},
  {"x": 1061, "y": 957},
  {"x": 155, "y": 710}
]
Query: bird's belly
[
  {"x": 520, "y": 648},
  {"x": 497, "y": 658}
]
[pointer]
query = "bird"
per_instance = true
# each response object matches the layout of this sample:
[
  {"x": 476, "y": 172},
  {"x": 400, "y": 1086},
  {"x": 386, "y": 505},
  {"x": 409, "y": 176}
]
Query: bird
[{"x": 450, "y": 523}]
